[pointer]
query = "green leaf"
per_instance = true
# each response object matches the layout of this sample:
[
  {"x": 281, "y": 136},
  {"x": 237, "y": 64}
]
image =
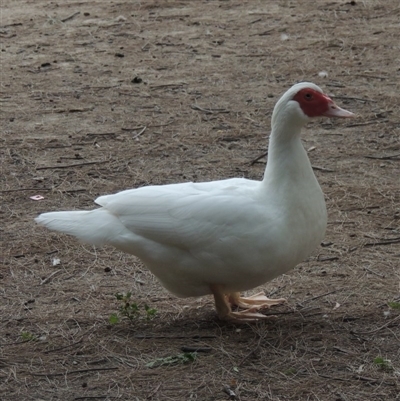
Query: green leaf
[
  {"x": 188, "y": 356},
  {"x": 26, "y": 336},
  {"x": 173, "y": 360},
  {"x": 384, "y": 364},
  {"x": 113, "y": 319},
  {"x": 394, "y": 305},
  {"x": 151, "y": 312},
  {"x": 290, "y": 372},
  {"x": 132, "y": 308}
]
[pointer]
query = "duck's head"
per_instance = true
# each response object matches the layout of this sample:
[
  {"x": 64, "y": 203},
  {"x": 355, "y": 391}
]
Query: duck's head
[{"x": 304, "y": 101}]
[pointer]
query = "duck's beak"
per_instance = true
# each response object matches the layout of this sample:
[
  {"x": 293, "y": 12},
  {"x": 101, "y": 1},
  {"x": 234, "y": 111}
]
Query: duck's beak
[{"x": 335, "y": 111}]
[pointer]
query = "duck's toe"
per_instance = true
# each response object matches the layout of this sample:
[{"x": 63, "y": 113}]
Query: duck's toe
[{"x": 254, "y": 302}]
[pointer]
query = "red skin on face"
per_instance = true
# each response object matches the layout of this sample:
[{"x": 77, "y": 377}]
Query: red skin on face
[{"x": 312, "y": 102}]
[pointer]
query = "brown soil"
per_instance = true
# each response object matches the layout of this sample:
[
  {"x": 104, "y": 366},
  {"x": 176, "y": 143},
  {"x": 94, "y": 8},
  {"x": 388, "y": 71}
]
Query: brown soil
[{"x": 99, "y": 96}]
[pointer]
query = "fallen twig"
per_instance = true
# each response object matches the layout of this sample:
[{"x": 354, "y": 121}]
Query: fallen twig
[
  {"x": 327, "y": 258},
  {"x": 60, "y": 348},
  {"x": 131, "y": 129},
  {"x": 372, "y": 272},
  {"x": 391, "y": 157},
  {"x": 371, "y": 380},
  {"x": 378, "y": 238},
  {"x": 41, "y": 190},
  {"x": 254, "y": 55},
  {"x": 94, "y": 397},
  {"x": 229, "y": 391},
  {"x": 69, "y": 165},
  {"x": 369, "y": 76},
  {"x": 196, "y": 349},
  {"x": 336, "y": 85},
  {"x": 328, "y": 170},
  {"x": 251, "y": 353},
  {"x": 162, "y": 125},
  {"x": 358, "y": 99},
  {"x": 178, "y": 337},
  {"x": 24, "y": 189},
  {"x": 177, "y": 84},
  {"x": 319, "y": 296},
  {"x": 377, "y": 329},
  {"x": 139, "y": 133},
  {"x": 14, "y": 343},
  {"x": 267, "y": 32},
  {"x": 59, "y": 111},
  {"x": 385, "y": 242},
  {"x": 153, "y": 393},
  {"x": 82, "y": 110},
  {"x": 345, "y": 351},
  {"x": 342, "y": 379},
  {"x": 46, "y": 280},
  {"x": 70, "y": 17},
  {"x": 9, "y": 25},
  {"x": 258, "y": 158},
  {"x": 59, "y": 146},
  {"x": 71, "y": 372},
  {"x": 209, "y": 111},
  {"x": 366, "y": 123},
  {"x": 101, "y": 133}
]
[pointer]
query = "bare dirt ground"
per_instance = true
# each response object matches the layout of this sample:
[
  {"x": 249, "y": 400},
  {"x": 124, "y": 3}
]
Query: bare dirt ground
[{"x": 100, "y": 96}]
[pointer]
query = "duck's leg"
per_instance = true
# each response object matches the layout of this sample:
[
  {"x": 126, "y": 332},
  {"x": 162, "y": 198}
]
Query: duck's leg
[
  {"x": 225, "y": 312},
  {"x": 254, "y": 302}
]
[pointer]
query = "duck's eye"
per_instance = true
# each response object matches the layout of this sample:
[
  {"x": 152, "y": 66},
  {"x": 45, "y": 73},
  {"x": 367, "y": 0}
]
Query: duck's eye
[{"x": 308, "y": 96}]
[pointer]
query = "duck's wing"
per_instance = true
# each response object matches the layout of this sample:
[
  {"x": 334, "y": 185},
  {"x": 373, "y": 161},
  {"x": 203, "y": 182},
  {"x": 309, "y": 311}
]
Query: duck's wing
[{"x": 186, "y": 215}]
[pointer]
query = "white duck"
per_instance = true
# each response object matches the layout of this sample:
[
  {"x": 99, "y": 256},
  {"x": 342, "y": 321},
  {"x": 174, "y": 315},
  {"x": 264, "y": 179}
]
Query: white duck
[{"x": 222, "y": 237}]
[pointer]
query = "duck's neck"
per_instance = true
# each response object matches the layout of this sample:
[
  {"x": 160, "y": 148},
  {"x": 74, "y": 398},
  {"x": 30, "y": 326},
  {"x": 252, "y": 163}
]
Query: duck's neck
[{"x": 287, "y": 159}]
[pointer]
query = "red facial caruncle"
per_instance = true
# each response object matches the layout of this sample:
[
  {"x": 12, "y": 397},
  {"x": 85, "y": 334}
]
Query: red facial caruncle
[
  {"x": 312, "y": 102},
  {"x": 316, "y": 104}
]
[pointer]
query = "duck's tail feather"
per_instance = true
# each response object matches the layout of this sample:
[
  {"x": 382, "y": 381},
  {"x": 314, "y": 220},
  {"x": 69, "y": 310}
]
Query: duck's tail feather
[{"x": 97, "y": 227}]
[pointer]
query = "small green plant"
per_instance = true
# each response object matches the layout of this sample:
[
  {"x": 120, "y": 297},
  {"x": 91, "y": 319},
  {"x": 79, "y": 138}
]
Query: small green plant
[
  {"x": 290, "y": 372},
  {"x": 114, "y": 318},
  {"x": 384, "y": 364},
  {"x": 185, "y": 357},
  {"x": 150, "y": 312},
  {"x": 130, "y": 310},
  {"x": 127, "y": 308},
  {"x": 394, "y": 305},
  {"x": 27, "y": 336}
]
